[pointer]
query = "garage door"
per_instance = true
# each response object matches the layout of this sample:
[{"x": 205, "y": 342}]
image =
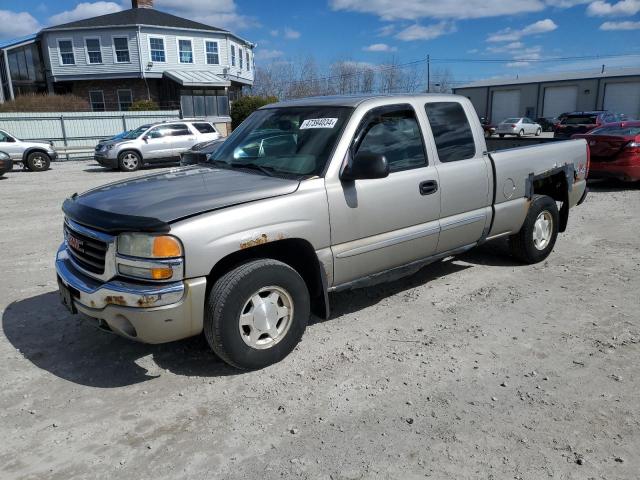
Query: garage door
[
  {"x": 559, "y": 100},
  {"x": 505, "y": 104},
  {"x": 623, "y": 98}
]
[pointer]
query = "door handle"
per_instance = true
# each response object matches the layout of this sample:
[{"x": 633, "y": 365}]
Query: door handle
[{"x": 428, "y": 187}]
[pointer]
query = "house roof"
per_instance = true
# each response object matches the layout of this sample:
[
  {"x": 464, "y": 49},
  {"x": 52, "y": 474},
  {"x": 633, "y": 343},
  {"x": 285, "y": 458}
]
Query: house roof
[
  {"x": 554, "y": 77},
  {"x": 136, "y": 16},
  {"x": 189, "y": 78},
  {"x": 17, "y": 41}
]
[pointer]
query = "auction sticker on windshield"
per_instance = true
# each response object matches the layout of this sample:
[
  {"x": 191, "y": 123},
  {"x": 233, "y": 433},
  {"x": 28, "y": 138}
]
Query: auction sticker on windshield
[{"x": 319, "y": 123}]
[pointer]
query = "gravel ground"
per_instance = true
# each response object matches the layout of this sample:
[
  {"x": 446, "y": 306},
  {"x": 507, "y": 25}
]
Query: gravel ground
[{"x": 474, "y": 368}]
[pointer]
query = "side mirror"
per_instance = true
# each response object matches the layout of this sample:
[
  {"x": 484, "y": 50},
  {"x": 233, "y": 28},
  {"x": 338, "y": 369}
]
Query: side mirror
[
  {"x": 145, "y": 138},
  {"x": 366, "y": 166}
]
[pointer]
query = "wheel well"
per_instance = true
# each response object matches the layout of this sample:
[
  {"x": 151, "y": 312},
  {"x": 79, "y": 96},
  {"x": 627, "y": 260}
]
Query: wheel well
[
  {"x": 29, "y": 151},
  {"x": 297, "y": 253},
  {"x": 555, "y": 186},
  {"x": 137, "y": 152}
]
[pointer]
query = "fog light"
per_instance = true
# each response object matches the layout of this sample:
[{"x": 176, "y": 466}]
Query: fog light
[{"x": 160, "y": 273}]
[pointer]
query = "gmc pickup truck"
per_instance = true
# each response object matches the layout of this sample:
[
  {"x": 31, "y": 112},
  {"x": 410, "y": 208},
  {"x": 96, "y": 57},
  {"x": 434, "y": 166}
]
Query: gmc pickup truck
[{"x": 305, "y": 198}]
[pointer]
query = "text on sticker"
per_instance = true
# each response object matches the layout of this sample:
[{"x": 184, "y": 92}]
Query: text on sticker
[{"x": 319, "y": 123}]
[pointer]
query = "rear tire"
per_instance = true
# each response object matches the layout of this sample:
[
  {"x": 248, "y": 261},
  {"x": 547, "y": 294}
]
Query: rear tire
[
  {"x": 129, "y": 161},
  {"x": 38, "y": 162},
  {"x": 521, "y": 133},
  {"x": 538, "y": 132},
  {"x": 255, "y": 315},
  {"x": 537, "y": 237}
]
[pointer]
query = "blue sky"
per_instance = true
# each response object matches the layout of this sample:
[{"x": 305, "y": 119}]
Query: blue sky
[{"x": 373, "y": 31}]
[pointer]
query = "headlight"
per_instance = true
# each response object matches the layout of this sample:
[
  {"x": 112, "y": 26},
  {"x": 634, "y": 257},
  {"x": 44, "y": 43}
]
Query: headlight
[
  {"x": 108, "y": 147},
  {"x": 149, "y": 246},
  {"x": 4, "y": 156}
]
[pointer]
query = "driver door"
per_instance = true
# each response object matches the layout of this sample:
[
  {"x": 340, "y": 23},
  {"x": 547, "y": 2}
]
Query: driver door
[
  {"x": 157, "y": 143},
  {"x": 380, "y": 224}
]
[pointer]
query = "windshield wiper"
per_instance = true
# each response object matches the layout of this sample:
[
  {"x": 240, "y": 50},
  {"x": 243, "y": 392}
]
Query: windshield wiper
[{"x": 254, "y": 166}]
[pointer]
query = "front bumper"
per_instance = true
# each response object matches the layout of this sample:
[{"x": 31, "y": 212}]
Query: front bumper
[
  {"x": 106, "y": 161},
  {"x": 149, "y": 313}
]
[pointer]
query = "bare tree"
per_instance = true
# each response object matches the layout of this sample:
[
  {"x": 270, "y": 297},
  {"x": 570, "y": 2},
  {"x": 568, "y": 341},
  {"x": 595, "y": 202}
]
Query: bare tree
[{"x": 441, "y": 81}]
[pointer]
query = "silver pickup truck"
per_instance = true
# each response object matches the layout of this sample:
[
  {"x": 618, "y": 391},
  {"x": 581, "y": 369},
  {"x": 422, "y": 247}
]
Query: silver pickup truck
[{"x": 305, "y": 198}]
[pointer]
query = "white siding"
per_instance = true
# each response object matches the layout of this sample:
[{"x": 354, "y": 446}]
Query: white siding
[{"x": 82, "y": 67}]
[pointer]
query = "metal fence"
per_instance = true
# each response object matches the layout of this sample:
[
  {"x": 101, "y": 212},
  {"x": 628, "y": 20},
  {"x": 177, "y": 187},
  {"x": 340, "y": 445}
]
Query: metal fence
[{"x": 75, "y": 134}]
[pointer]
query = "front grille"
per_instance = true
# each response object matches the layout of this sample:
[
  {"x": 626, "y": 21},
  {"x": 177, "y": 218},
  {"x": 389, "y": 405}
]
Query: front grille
[{"x": 89, "y": 253}]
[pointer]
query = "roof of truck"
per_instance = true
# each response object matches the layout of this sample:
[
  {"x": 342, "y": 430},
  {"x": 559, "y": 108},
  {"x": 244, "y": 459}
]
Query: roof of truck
[{"x": 355, "y": 100}]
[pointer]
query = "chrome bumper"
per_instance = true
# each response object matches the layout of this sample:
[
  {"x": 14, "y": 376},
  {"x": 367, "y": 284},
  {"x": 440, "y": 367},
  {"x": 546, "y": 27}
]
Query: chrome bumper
[{"x": 145, "y": 312}]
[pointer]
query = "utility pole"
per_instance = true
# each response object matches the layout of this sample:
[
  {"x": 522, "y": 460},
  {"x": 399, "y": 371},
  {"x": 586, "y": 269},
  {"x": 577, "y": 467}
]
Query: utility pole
[{"x": 428, "y": 73}]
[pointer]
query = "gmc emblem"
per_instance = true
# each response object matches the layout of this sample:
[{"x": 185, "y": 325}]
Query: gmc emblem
[{"x": 75, "y": 243}]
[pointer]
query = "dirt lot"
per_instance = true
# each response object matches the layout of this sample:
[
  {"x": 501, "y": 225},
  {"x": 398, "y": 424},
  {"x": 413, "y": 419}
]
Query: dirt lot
[{"x": 476, "y": 368}]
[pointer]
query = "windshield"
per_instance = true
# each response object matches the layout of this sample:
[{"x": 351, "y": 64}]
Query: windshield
[
  {"x": 133, "y": 134},
  {"x": 580, "y": 120},
  {"x": 511, "y": 120},
  {"x": 291, "y": 141},
  {"x": 617, "y": 131}
]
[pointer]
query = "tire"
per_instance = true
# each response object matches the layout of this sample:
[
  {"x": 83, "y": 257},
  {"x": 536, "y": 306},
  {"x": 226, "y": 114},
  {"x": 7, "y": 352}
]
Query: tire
[
  {"x": 129, "y": 161},
  {"x": 538, "y": 132},
  {"x": 241, "y": 343},
  {"x": 38, "y": 161},
  {"x": 521, "y": 133},
  {"x": 533, "y": 243}
]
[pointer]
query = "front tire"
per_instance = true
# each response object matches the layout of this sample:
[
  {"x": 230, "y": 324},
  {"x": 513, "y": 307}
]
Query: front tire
[
  {"x": 255, "y": 315},
  {"x": 38, "y": 162},
  {"x": 129, "y": 161},
  {"x": 537, "y": 237}
]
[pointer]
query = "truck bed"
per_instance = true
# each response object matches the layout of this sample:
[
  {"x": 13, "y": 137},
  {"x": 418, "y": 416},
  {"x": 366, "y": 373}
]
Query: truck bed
[{"x": 495, "y": 144}]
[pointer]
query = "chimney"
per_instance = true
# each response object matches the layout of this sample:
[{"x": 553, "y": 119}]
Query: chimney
[{"x": 142, "y": 3}]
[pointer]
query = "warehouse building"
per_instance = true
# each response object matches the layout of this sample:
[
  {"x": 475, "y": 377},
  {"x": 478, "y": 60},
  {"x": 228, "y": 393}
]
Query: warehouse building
[{"x": 549, "y": 95}]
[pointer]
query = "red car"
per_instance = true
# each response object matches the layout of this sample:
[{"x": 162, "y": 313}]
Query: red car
[{"x": 615, "y": 151}]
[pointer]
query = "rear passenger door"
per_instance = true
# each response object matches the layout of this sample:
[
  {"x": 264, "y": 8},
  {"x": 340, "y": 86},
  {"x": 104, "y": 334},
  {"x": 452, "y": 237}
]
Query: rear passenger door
[
  {"x": 463, "y": 171},
  {"x": 384, "y": 223},
  {"x": 182, "y": 138}
]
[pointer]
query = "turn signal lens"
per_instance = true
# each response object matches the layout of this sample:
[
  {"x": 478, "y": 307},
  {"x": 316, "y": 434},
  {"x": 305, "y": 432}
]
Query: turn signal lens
[
  {"x": 166, "y": 247},
  {"x": 161, "y": 273},
  {"x": 157, "y": 273}
]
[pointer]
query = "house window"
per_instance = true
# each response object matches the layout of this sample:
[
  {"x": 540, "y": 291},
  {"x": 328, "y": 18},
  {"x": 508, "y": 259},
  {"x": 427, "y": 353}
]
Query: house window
[
  {"x": 248, "y": 62},
  {"x": 212, "y": 53},
  {"x": 233, "y": 55},
  {"x": 96, "y": 98},
  {"x": 185, "y": 51},
  {"x": 94, "y": 53},
  {"x": 240, "y": 58},
  {"x": 156, "y": 47},
  {"x": 66, "y": 52},
  {"x": 125, "y": 99},
  {"x": 121, "y": 48}
]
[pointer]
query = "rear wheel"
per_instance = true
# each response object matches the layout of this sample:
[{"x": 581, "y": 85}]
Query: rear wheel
[
  {"x": 521, "y": 133},
  {"x": 38, "y": 161},
  {"x": 537, "y": 237},
  {"x": 538, "y": 132},
  {"x": 129, "y": 161},
  {"x": 256, "y": 314}
]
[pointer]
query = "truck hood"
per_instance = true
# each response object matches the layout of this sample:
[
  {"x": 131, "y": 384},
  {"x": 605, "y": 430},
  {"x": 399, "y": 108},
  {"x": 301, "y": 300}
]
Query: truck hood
[{"x": 152, "y": 202}]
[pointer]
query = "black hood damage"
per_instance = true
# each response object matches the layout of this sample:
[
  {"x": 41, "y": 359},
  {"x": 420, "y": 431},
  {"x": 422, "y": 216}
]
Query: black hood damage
[{"x": 150, "y": 203}]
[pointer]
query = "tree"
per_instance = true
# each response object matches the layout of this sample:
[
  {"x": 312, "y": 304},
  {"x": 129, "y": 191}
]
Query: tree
[{"x": 244, "y": 106}]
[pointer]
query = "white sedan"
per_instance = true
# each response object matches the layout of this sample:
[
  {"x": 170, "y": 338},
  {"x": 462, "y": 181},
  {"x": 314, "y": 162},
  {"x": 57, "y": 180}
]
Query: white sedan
[{"x": 518, "y": 126}]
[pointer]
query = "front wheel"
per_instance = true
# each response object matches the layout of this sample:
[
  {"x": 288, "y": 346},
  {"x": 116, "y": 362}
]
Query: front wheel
[
  {"x": 38, "y": 162},
  {"x": 256, "y": 314},
  {"x": 535, "y": 240},
  {"x": 129, "y": 161}
]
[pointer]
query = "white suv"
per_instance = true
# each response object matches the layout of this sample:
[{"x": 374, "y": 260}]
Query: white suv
[{"x": 152, "y": 144}]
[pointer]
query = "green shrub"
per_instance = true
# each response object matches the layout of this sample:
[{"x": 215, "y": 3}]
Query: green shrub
[
  {"x": 143, "y": 105},
  {"x": 244, "y": 106},
  {"x": 39, "y": 102}
]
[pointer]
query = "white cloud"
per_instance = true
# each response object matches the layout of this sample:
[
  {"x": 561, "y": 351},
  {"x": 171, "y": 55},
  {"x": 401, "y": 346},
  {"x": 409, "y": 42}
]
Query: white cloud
[
  {"x": 218, "y": 13},
  {"x": 620, "y": 26},
  {"x": 274, "y": 33},
  {"x": 429, "y": 32},
  {"x": 386, "y": 30},
  {"x": 511, "y": 35},
  {"x": 17, "y": 24},
  {"x": 443, "y": 9},
  {"x": 619, "y": 9},
  {"x": 85, "y": 10},
  {"x": 518, "y": 64},
  {"x": 379, "y": 47},
  {"x": 265, "y": 54},
  {"x": 291, "y": 34},
  {"x": 566, "y": 3}
]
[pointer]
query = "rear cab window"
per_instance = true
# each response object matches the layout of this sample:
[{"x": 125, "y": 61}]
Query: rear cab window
[
  {"x": 580, "y": 120},
  {"x": 451, "y": 131},
  {"x": 392, "y": 131}
]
